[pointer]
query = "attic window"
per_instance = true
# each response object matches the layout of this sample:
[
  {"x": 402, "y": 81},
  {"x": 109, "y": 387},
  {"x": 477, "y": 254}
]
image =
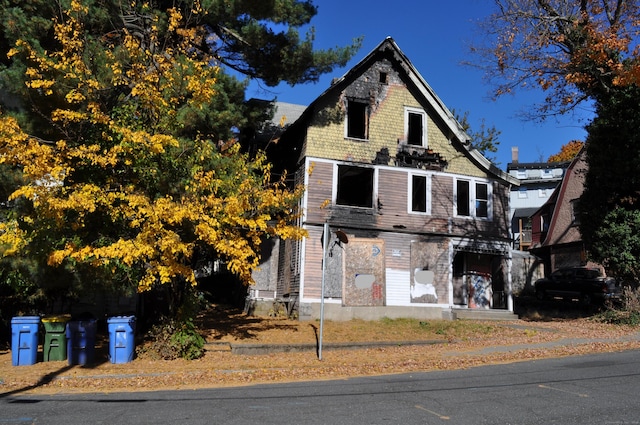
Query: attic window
[
  {"x": 383, "y": 78},
  {"x": 355, "y": 186},
  {"x": 357, "y": 120},
  {"x": 415, "y": 126}
]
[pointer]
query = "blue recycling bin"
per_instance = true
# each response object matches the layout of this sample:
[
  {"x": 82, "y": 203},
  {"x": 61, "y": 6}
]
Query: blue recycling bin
[
  {"x": 24, "y": 340},
  {"x": 81, "y": 342},
  {"x": 121, "y": 338}
]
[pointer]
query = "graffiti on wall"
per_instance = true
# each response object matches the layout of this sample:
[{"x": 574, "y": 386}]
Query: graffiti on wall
[{"x": 480, "y": 292}]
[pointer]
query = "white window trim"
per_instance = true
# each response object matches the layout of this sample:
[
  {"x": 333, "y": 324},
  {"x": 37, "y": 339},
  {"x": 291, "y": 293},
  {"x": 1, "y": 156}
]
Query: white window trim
[
  {"x": 523, "y": 193},
  {"x": 472, "y": 198},
  {"x": 410, "y": 193},
  {"x": 334, "y": 187},
  {"x": 423, "y": 114},
  {"x": 542, "y": 193}
]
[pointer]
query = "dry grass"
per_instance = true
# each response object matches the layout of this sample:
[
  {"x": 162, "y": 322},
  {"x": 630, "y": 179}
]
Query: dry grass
[{"x": 460, "y": 345}]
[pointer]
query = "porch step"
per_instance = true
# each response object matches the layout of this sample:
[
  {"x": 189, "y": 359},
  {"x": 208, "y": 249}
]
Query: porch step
[{"x": 480, "y": 314}]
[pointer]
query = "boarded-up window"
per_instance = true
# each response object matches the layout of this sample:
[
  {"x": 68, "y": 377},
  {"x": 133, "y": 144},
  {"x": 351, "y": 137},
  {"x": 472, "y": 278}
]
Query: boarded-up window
[{"x": 355, "y": 186}]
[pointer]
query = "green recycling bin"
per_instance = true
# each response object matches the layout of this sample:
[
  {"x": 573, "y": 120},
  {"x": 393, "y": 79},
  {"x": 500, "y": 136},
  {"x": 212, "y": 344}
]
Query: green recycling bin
[{"x": 55, "y": 339}]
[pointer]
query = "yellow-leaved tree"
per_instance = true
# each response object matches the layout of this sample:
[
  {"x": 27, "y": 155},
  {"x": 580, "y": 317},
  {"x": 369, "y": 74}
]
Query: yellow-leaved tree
[
  {"x": 567, "y": 152},
  {"x": 124, "y": 193}
]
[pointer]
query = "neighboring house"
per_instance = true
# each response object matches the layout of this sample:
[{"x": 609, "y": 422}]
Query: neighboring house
[
  {"x": 538, "y": 180},
  {"x": 556, "y": 235},
  {"x": 419, "y": 223}
]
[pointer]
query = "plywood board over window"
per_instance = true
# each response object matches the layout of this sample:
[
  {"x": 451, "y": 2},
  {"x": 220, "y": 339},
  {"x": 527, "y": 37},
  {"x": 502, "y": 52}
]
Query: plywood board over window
[
  {"x": 364, "y": 277},
  {"x": 431, "y": 257}
]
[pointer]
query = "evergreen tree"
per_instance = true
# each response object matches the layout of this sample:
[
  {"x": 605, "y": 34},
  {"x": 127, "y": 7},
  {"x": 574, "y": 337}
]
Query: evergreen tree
[
  {"x": 609, "y": 206},
  {"x": 120, "y": 120}
]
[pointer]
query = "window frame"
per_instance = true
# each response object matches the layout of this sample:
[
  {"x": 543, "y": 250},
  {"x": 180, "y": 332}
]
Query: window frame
[
  {"x": 523, "y": 193},
  {"x": 574, "y": 205},
  {"x": 411, "y": 194},
  {"x": 336, "y": 186},
  {"x": 348, "y": 134},
  {"x": 472, "y": 201},
  {"x": 408, "y": 111}
]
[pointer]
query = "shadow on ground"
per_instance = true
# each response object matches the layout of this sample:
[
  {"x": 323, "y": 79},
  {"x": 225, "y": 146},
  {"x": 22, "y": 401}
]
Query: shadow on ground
[
  {"x": 225, "y": 320},
  {"x": 531, "y": 309}
]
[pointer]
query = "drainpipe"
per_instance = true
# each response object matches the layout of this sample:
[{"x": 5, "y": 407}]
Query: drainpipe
[{"x": 325, "y": 241}]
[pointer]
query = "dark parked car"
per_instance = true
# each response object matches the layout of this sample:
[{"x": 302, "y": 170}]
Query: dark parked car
[{"x": 587, "y": 285}]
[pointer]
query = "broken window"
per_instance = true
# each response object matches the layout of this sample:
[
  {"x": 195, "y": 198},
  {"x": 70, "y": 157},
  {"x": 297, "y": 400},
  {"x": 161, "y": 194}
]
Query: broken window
[
  {"x": 355, "y": 186},
  {"x": 419, "y": 194},
  {"x": 357, "y": 120},
  {"x": 383, "y": 78},
  {"x": 463, "y": 197},
  {"x": 473, "y": 199},
  {"x": 415, "y": 127}
]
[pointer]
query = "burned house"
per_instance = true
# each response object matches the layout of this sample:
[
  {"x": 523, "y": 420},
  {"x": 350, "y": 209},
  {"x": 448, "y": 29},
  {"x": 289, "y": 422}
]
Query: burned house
[{"x": 417, "y": 221}]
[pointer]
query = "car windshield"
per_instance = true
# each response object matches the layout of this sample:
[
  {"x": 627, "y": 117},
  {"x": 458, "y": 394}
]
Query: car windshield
[
  {"x": 593, "y": 274},
  {"x": 588, "y": 273}
]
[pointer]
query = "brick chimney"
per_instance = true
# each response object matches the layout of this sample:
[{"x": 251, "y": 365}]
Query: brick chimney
[{"x": 514, "y": 154}]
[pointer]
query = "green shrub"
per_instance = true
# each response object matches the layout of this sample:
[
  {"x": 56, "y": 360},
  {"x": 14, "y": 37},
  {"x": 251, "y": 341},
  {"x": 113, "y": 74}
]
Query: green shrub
[
  {"x": 172, "y": 339},
  {"x": 187, "y": 342}
]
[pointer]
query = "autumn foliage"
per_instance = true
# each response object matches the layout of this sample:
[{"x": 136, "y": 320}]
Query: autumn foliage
[
  {"x": 123, "y": 189},
  {"x": 567, "y": 152},
  {"x": 574, "y": 50}
]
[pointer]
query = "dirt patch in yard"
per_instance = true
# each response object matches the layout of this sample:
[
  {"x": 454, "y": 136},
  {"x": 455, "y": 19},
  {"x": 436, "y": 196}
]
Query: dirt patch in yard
[{"x": 452, "y": 345}]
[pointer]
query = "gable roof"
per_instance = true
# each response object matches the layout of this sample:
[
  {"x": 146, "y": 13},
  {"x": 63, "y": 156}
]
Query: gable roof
[
  {"x": 560, "y": 226},
  {"x": 456, "y": 133}
]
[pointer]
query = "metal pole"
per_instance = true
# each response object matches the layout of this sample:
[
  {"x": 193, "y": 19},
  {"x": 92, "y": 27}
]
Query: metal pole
[{"x": 325, "y": 241}]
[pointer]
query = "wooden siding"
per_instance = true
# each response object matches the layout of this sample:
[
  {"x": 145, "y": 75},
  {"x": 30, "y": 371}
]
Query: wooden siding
[
  {"x": 319, "y": 191},
  {"x": 312, "y": 287},
  {"x": 325, "y": 138},
  {"x": 391, "y": 210}
]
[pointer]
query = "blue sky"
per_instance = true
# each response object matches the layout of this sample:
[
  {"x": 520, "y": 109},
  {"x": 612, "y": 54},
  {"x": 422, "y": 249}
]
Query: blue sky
[{"x": 435, "y": 35}]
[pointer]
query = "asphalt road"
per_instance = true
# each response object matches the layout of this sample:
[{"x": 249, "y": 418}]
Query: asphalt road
[{"x": 596, "y": 389}]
